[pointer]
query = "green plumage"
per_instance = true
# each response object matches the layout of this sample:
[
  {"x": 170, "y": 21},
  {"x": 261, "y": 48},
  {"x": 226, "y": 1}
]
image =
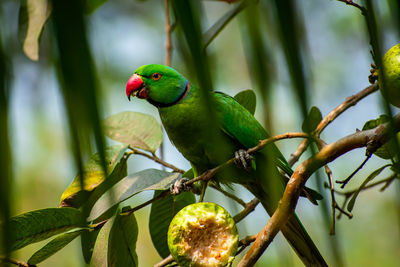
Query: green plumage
[{"x": 208, "y": 142}]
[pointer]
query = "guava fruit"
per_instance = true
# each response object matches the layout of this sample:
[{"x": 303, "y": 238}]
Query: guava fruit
[
  {"x": 203, "y": 234},
  {"x": 391, "y": 67}
]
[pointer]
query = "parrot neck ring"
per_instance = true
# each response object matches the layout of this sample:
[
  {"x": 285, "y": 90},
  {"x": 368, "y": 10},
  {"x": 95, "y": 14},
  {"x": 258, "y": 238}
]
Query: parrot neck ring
[{"x": 164, "y": 105}]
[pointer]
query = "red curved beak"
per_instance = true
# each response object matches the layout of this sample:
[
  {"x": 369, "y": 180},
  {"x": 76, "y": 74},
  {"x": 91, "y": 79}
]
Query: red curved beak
[{"x": 135, "y": 84}]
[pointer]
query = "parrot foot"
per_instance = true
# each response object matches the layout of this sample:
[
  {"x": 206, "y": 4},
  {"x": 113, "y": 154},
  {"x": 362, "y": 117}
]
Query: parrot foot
[
  {"x": 179, "y": 186},
  {"x": 243, "y": 159}
]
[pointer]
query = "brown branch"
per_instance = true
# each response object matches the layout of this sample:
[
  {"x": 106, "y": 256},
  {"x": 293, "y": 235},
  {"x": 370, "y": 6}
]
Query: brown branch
[
  {"x": 209, "y": 174},
  {"x": 247, "y": 209},
  {"x": 168, "y": 30},
  {"x": 164, "y": 262},
  {"x": 156, "y": 159},
  {"x": 15, "y": 262},
  {"x": 351, "y": 3},
  {"x": 349, "y": 102},
  {"x": 287, "y": 204}
]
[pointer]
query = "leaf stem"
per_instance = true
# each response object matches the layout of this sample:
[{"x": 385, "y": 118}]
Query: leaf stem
[
  {"x": 246, "y": 211},
  {"x": 160, "y": 196},
  {"x": 156, "y": 159},
  {"x": 230, "y": 195}
]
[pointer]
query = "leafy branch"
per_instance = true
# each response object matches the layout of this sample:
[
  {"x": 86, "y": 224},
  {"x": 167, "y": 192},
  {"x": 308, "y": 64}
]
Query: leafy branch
[{"x": 371, "y": 139}]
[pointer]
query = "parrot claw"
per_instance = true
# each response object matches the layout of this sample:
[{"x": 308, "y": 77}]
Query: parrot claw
[
  {"x": 243, "y": 159},
  {"x": 179, "y": 186}
]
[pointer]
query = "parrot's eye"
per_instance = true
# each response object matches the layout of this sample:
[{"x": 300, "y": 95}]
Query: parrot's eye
[{"x": 156, "y": 76}]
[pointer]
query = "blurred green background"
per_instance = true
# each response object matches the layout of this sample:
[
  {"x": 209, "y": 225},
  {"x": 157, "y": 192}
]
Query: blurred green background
[{"x": 124, "y": 35}]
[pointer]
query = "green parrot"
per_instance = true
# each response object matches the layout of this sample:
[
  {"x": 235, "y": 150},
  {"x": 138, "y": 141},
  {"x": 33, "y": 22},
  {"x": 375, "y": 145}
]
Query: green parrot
[{"x": 208, "y": 142}]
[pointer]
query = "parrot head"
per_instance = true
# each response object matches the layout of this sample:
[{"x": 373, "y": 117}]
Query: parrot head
[{"x": 160, "y": 85}]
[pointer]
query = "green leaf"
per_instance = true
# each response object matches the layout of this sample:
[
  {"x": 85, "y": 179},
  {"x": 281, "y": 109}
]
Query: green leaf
[
  {"x": 161, "y": 214},
  {"x": 217, "y": 27},
  {"x": 310, "y": 123},
  {"x": 78, "y": 82},
  {"x": 375, "y": 173},
  {"x": 88, "y": 240},
  {"x": 41, "y": 224},
  {"x": 53, "y": 246},
  {"x": 150, "y": 179},
  {"x": 100, "y": 250},
  {"x": 388, "y": 150},
  {"x": 134, "y": 128},
  {"x": 74, "y": 196},
  {"x": 33, "y": 15},
  {"x": 247, "y": 99},
  {"x": 122, "y": 242}
]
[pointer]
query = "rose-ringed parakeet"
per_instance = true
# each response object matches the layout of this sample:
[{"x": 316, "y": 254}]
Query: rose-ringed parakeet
[{"x": 208, "y": 142}]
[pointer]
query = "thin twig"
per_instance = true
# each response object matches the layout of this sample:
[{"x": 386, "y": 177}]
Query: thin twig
[
  {"x": 156, "y": 159},
  {"x": 351, "y": 3},
  {"x": 209, "y": 174},
  {"x": 15, "y": 262},
  {"x": 328, "y": 172},
  {"x": 247, "y": 209},
  {"x": 168, "y": 30},
  {"x": 349, "y": 102},
  {"x": 342, "y": 211},
  {"x": 203, "y": 190},
  {"x": 164, "y": 262},
  {"x": 230, "y": 195},
  {"x": 386, "y": 180},
  {"x": 160, "y": 196},
  {"x": 345, "y": 181},
  {"x": 245, "y": 242}
]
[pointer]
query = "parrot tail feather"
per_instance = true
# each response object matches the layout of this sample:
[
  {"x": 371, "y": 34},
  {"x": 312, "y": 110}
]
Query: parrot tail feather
[{"x": 302, "y": 243}]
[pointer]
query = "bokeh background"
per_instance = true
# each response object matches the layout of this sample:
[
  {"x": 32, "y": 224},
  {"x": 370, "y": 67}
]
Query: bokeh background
[{"x": 124, "y": 35}]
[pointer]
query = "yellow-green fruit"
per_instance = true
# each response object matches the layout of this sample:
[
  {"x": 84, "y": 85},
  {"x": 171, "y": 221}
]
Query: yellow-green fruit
[
  {"x": 391, "y": 66},
  {"x": 203, "y": 234}
]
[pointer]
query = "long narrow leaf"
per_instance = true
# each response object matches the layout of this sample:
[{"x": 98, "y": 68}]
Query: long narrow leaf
[
  {"x": 53, "y": 247},
  {"x": 5, "y": 152},
  {"x": 41, "y": 224},
  {"x": 218, "y": 26},
  {"x": 290, "y": 31},
  {"x": 375, "y": 173},
  {"x": 78, "y": 81}
]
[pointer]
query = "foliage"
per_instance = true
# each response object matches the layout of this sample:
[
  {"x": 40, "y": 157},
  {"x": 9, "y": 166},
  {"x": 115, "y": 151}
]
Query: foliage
[{"x": 89, "y": 207}]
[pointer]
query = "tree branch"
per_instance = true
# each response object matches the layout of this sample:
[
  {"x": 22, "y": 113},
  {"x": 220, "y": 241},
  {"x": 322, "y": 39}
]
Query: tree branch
[
  {"x": 209, "y": 174},
  {"x": 374, "y": 137},
  {"x": 349, "y": 102}
]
